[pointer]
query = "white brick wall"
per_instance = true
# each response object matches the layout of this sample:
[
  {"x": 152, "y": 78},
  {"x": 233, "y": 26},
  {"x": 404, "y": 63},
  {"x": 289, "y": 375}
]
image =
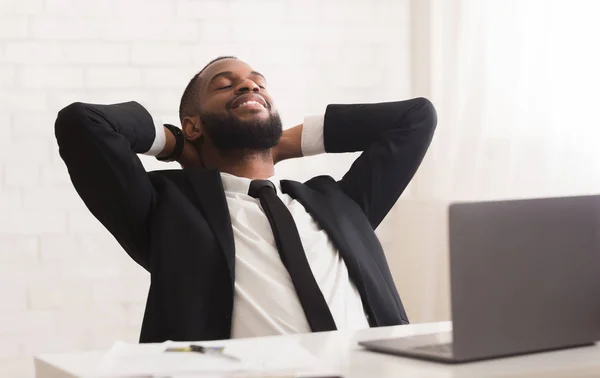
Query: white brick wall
[{"x": 65, "y": 284}]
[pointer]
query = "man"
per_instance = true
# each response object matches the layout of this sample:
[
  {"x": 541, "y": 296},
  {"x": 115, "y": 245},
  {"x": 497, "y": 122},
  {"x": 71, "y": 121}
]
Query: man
[{"x": 233, "y": 251}]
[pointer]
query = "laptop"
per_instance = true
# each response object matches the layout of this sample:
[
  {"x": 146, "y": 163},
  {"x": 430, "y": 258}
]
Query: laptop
[{"x": 524, "y": 278}]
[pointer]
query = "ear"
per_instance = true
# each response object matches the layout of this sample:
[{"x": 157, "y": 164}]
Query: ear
[{"x": 192, "y": 128}]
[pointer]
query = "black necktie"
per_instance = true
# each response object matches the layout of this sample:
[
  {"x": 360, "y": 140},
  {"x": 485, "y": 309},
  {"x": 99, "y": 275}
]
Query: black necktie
[{"x": 293, "y": 257}]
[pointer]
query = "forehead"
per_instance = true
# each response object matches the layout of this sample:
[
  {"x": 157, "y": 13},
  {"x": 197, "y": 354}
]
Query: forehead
[{"x": 234, "y": 65}]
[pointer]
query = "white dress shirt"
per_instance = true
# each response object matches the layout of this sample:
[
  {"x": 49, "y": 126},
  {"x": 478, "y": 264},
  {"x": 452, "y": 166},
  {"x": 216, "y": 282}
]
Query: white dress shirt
[{"x": 265, "y": 300}]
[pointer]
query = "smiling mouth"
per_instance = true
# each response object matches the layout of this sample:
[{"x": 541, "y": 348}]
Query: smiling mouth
[{"x": 250, "y": 104}]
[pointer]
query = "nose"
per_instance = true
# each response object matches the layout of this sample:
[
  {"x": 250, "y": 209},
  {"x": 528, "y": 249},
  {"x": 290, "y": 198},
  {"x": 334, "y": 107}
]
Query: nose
[{"x": 247, "y": 86}]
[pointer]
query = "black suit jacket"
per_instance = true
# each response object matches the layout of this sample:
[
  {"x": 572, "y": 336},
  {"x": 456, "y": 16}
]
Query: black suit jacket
[{"x": 175, "y": 223}]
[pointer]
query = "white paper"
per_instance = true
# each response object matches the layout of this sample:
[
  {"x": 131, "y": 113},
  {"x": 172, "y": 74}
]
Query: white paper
[
  {"x": 258, "y": 357},
  {"x": 133, "y": 360}
]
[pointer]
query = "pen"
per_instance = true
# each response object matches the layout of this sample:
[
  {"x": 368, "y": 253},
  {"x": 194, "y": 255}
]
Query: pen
[
  {"x": 218, "y": 351},
  {"x": 213, "y": 351}
]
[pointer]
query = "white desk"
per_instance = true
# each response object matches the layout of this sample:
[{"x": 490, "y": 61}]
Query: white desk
[{"x": 341, "y": 349}]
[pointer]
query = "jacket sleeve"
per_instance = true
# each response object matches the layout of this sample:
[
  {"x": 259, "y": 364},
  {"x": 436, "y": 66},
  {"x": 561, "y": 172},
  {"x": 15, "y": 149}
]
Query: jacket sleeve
[
  {"x": 393, "y": 138},
  {"x": 99, "y": 144}
]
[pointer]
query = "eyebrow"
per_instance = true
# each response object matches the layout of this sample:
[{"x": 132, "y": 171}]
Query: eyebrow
[
  {"x": 258, "y": 74},
  {"x": 229, "y": 73}
]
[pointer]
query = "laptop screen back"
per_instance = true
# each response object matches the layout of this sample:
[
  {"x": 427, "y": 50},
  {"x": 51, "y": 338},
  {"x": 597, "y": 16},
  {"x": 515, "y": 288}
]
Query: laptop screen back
[{"x": 525, "y": 275}]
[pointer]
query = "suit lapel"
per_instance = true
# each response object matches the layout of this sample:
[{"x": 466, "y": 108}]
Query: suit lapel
[
  {"x": 209, "y": 190},
  {"x": 317, "y": 205}
]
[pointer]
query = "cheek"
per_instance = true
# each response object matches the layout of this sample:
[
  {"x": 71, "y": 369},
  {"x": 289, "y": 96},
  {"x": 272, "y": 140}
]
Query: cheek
[
  {"x": 270, "y": 101},
  {"x": 215, "y": 104}
]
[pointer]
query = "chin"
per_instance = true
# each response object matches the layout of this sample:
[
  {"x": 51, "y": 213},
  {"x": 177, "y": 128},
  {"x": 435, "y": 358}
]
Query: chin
[{"x": 254, "y": 115}]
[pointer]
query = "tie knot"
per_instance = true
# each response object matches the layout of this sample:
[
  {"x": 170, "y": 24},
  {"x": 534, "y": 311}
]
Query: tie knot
[{"x": 257, "y": 185}]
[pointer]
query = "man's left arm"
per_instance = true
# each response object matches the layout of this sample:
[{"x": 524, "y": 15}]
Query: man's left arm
[{"x": 393, "y": 138}]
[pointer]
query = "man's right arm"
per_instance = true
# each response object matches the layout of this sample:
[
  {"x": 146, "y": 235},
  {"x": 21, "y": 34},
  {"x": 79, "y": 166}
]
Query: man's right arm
[{"x": 99, "y": 144}]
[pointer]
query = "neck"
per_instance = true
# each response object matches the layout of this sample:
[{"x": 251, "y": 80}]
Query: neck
[{"x": 244, "y": 163}]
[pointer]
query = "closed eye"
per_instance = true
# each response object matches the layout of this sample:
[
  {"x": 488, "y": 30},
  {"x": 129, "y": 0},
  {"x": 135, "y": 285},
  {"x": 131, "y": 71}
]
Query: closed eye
[{"x": 224, "y": 87}]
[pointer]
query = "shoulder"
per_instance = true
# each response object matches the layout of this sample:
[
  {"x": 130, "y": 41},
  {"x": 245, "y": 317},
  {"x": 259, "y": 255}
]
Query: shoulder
[
  {"x": 323, "y": 184},
  {"x": 167, "y": 174},
  {"x": 163, "y": 179}
]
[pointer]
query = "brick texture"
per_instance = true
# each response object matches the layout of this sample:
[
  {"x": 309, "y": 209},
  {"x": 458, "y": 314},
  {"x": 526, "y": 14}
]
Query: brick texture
[{"x": 65, "y": 283}]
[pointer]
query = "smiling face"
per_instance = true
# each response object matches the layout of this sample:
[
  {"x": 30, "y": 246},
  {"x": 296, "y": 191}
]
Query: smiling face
[
  {"x": 233, "y": 87},
  {"x": 235, "y": 109}
]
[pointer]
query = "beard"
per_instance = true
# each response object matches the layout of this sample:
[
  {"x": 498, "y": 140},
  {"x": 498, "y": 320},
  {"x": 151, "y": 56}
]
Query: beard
[{"x": 228, "y": 132}]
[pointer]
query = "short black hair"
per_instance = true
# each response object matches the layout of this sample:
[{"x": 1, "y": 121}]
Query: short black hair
[{"x": 189, "y": 100}]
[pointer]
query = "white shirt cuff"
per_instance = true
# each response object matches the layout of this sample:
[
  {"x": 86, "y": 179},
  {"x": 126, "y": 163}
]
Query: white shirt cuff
[
  {"x": 313, "y": 142},
  {"x": 160, "y": 139}
]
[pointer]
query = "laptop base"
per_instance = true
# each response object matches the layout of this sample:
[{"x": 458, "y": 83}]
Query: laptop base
[{"x": 386, "y": 346}]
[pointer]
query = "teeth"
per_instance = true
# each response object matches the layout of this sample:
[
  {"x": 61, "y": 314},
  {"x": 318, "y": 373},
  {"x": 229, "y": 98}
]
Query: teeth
[{"x": 249, "y": 103}]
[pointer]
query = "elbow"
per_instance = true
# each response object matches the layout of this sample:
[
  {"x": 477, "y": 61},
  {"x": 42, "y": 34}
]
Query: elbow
[
  {"x": 69, "y": 120},
  {"x": 427, "y": 113}
]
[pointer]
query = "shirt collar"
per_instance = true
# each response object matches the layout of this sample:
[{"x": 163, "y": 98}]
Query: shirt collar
[{"x": 236, "y": 184}]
